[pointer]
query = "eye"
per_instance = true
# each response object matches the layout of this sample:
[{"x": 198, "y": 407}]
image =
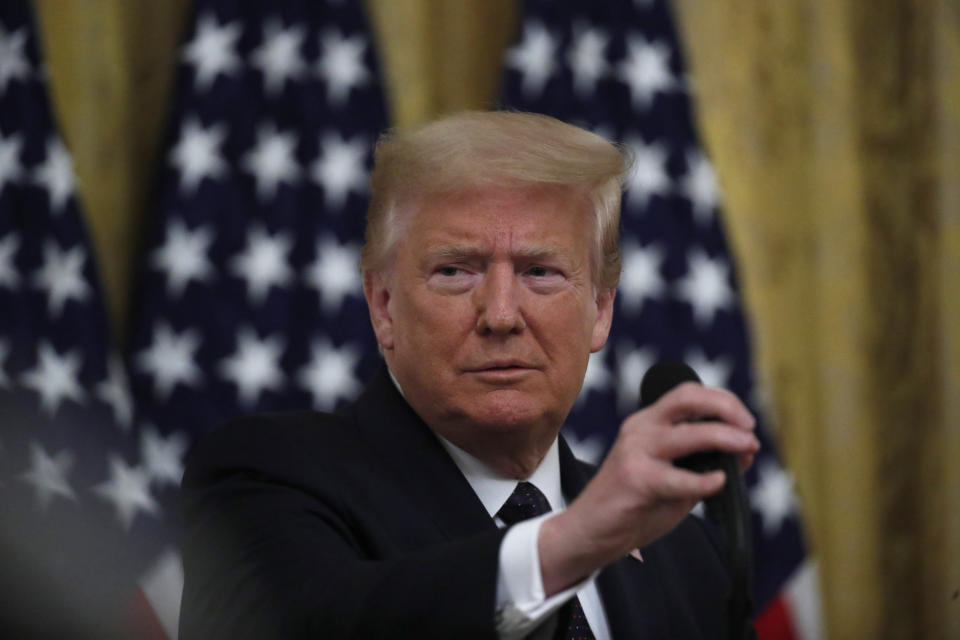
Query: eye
[
  {"x": 543, "y": 279},
  {"x": 452, "y": 278},
  {"x": 539, "y": 271}
]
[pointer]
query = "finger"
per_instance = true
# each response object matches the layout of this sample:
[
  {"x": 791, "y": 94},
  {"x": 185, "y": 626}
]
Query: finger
[
  {"x": 691, "y": 437},
  {"x": 691, "y": 400},
  {"x": 674, "y": 483}
]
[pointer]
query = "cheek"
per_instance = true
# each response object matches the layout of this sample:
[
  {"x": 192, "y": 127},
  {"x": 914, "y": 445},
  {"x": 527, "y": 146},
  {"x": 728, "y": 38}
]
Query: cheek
[
  {"x": 565, "y": 338},
  {"x": 438, "y": 323},
  {"x": 571, "y": 319}
]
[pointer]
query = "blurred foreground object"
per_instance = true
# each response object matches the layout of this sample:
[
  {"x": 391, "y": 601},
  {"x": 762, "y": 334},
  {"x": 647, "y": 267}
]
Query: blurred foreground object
[{"x": 81, "y": 484}]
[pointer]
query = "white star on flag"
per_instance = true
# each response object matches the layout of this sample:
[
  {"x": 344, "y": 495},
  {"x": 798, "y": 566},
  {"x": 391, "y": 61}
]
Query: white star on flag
[
  {"x": 263, "y": 263},
  {"x": 340, "y": 168},
  {"x": 701, "y": 187},
  {"x": 648, "y": 176},
  {"x": 183, "y": 256},
  {"x": 197, "y": 154},
  {"x": 597, "y": 376},
  {"x": 9, "y": 276},
  {"x": 271, "y": 161},
  {"x": 329, "y": 376},
  {"x": 587, "y": 57},
  {"x": 341, "y": 64},
  {"x": 699, "y": 510},
  {"x": 646, "y": 70},
  {"x": 534, "y": 58},
  {"x": 48, "y": 475},
  {"x": 170, "y": 359},
  {"x": 62, "y": 276},
  {"x": 334, "y": 273},
  {"x": 254, "y": 367},
  {"x": 129, "y": 490},
  {"x": 115, "y": 391},
  {"x": 632, "y": 364},
  {"x": 706, "y": 286},
  {"x": 589, "y": 449},
  {"x": 773, "y": 495},
  {"x": 13, "y": 60},
  {"x": 56, "y": 174},
  {"x": 10, "y": 168},
  {"x": 163, "y": 457},
  {"x": 55, "y": 377},
  {"x": 212, "y": 51},
  {"x": 278, "y": 57},
  {"x": 713, "y": 373},
  {"x": 640, "y": 278}
]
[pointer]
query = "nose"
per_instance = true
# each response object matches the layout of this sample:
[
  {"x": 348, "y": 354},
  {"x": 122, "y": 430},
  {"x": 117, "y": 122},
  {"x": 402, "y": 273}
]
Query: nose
[{"x": 498, "y": 304}]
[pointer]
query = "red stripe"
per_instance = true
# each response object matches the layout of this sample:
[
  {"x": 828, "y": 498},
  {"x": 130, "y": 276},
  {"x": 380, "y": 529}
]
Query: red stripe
[
  {"x": 774, "y": 622},
  {"x": 144, "y": 623}
]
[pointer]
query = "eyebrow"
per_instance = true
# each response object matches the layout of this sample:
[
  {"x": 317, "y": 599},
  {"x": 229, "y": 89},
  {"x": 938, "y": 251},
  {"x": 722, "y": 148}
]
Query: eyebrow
[
  {"x": 452, "y": 251},
  {"x": 457, "y": 251}
]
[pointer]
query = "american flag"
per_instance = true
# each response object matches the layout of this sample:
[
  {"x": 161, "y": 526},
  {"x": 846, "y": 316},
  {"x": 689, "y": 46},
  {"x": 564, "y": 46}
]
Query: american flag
[
  {"x": 81, "y": 478},
  {"x": 615, "y": 67},
  {"x": 249, "y": 295}
]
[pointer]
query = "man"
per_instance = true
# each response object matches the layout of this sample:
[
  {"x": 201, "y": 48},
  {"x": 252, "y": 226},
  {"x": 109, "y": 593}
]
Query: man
[{"x": 489, "y": 269}]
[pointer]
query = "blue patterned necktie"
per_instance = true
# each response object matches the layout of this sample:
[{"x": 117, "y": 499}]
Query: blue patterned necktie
[{"x": 525, "y": 502}]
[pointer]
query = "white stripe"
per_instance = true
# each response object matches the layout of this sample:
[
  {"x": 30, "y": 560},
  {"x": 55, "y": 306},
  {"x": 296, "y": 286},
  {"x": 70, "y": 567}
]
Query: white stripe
[
  {"x": 163, "y": 585},
  {"x": 802, "y": 595}
]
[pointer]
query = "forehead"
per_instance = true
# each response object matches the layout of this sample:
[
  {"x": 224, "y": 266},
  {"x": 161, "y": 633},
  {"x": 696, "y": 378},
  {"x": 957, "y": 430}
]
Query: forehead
[{"x": 493, "y": 219}]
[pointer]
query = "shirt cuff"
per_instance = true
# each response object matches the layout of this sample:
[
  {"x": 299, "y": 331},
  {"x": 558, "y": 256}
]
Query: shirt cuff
[{"x": 521, "y": 604}]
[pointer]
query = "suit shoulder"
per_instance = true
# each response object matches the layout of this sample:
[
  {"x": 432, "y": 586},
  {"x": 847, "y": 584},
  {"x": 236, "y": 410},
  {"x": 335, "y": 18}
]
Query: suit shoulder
[{"x": 269, "y": 444}]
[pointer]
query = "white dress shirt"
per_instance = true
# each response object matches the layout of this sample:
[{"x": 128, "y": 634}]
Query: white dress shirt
[{"x": 521, "y": 603}]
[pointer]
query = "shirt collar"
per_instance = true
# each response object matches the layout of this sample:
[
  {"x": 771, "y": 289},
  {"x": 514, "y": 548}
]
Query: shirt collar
[{"x": 492, "y": 488}]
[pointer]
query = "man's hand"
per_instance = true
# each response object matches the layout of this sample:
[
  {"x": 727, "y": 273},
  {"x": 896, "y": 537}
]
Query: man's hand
[{"x": 638, "y": 495}]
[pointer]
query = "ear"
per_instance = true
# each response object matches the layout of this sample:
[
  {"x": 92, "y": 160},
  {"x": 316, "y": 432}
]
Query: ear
[
  {"x": 601, "y": 324},
  {"x": 377, "y": 293}
]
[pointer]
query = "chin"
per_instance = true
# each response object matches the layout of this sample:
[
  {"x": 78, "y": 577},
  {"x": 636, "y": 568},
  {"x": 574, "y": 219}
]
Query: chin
[{"x": 511, "y": 411}]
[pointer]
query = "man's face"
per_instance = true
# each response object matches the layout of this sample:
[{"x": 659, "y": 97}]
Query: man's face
[{"x": 487, "y": 313}]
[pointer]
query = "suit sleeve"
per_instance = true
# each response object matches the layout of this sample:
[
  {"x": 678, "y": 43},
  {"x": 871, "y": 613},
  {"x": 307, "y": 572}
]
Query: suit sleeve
[{"x": 269, "y": 556}]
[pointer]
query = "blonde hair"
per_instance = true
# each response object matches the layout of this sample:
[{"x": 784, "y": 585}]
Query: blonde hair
[{"x": 499, "y": 149}]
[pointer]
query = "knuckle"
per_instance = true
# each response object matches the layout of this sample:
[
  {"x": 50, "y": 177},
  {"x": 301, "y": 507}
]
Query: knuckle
[
  {"x": 730, "y": 403},
  {"x": 623, "y": 472},
  {"x": 632, "y": 422},
  {"x": 688, "y": 391},
  {"x": 657, "y": 475},
  {"x": 643, "y": 473}
]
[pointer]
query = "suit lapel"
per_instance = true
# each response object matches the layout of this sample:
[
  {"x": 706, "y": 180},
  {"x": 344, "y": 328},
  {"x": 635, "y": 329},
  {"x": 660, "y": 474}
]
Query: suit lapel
[
  {"x": 633, "y": 597},
  {"x": 414, "y": 458}
]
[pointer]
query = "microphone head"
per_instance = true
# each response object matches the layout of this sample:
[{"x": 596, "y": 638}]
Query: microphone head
[{"x": 662, "y": 377}]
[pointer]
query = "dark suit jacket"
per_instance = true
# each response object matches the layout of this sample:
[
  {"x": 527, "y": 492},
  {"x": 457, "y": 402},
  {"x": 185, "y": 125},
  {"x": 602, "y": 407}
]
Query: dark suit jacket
[{"x": 361, "y": 525}]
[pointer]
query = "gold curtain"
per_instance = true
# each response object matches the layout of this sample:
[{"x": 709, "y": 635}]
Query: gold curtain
[
  {"x": 835, "y": 128},
  {"x": 834, "y": 125}
]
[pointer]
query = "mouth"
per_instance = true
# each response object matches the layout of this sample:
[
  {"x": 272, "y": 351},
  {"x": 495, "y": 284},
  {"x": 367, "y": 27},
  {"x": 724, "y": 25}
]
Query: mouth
[
  {"x": 502, "y": 372},
  {"x": 504, "y": 365}
]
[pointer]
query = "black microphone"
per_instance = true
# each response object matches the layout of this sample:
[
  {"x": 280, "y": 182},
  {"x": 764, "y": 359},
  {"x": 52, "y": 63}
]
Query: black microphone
[
  {"x": 661, "y": 378},
  {"x": 729, "y": 508}
]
